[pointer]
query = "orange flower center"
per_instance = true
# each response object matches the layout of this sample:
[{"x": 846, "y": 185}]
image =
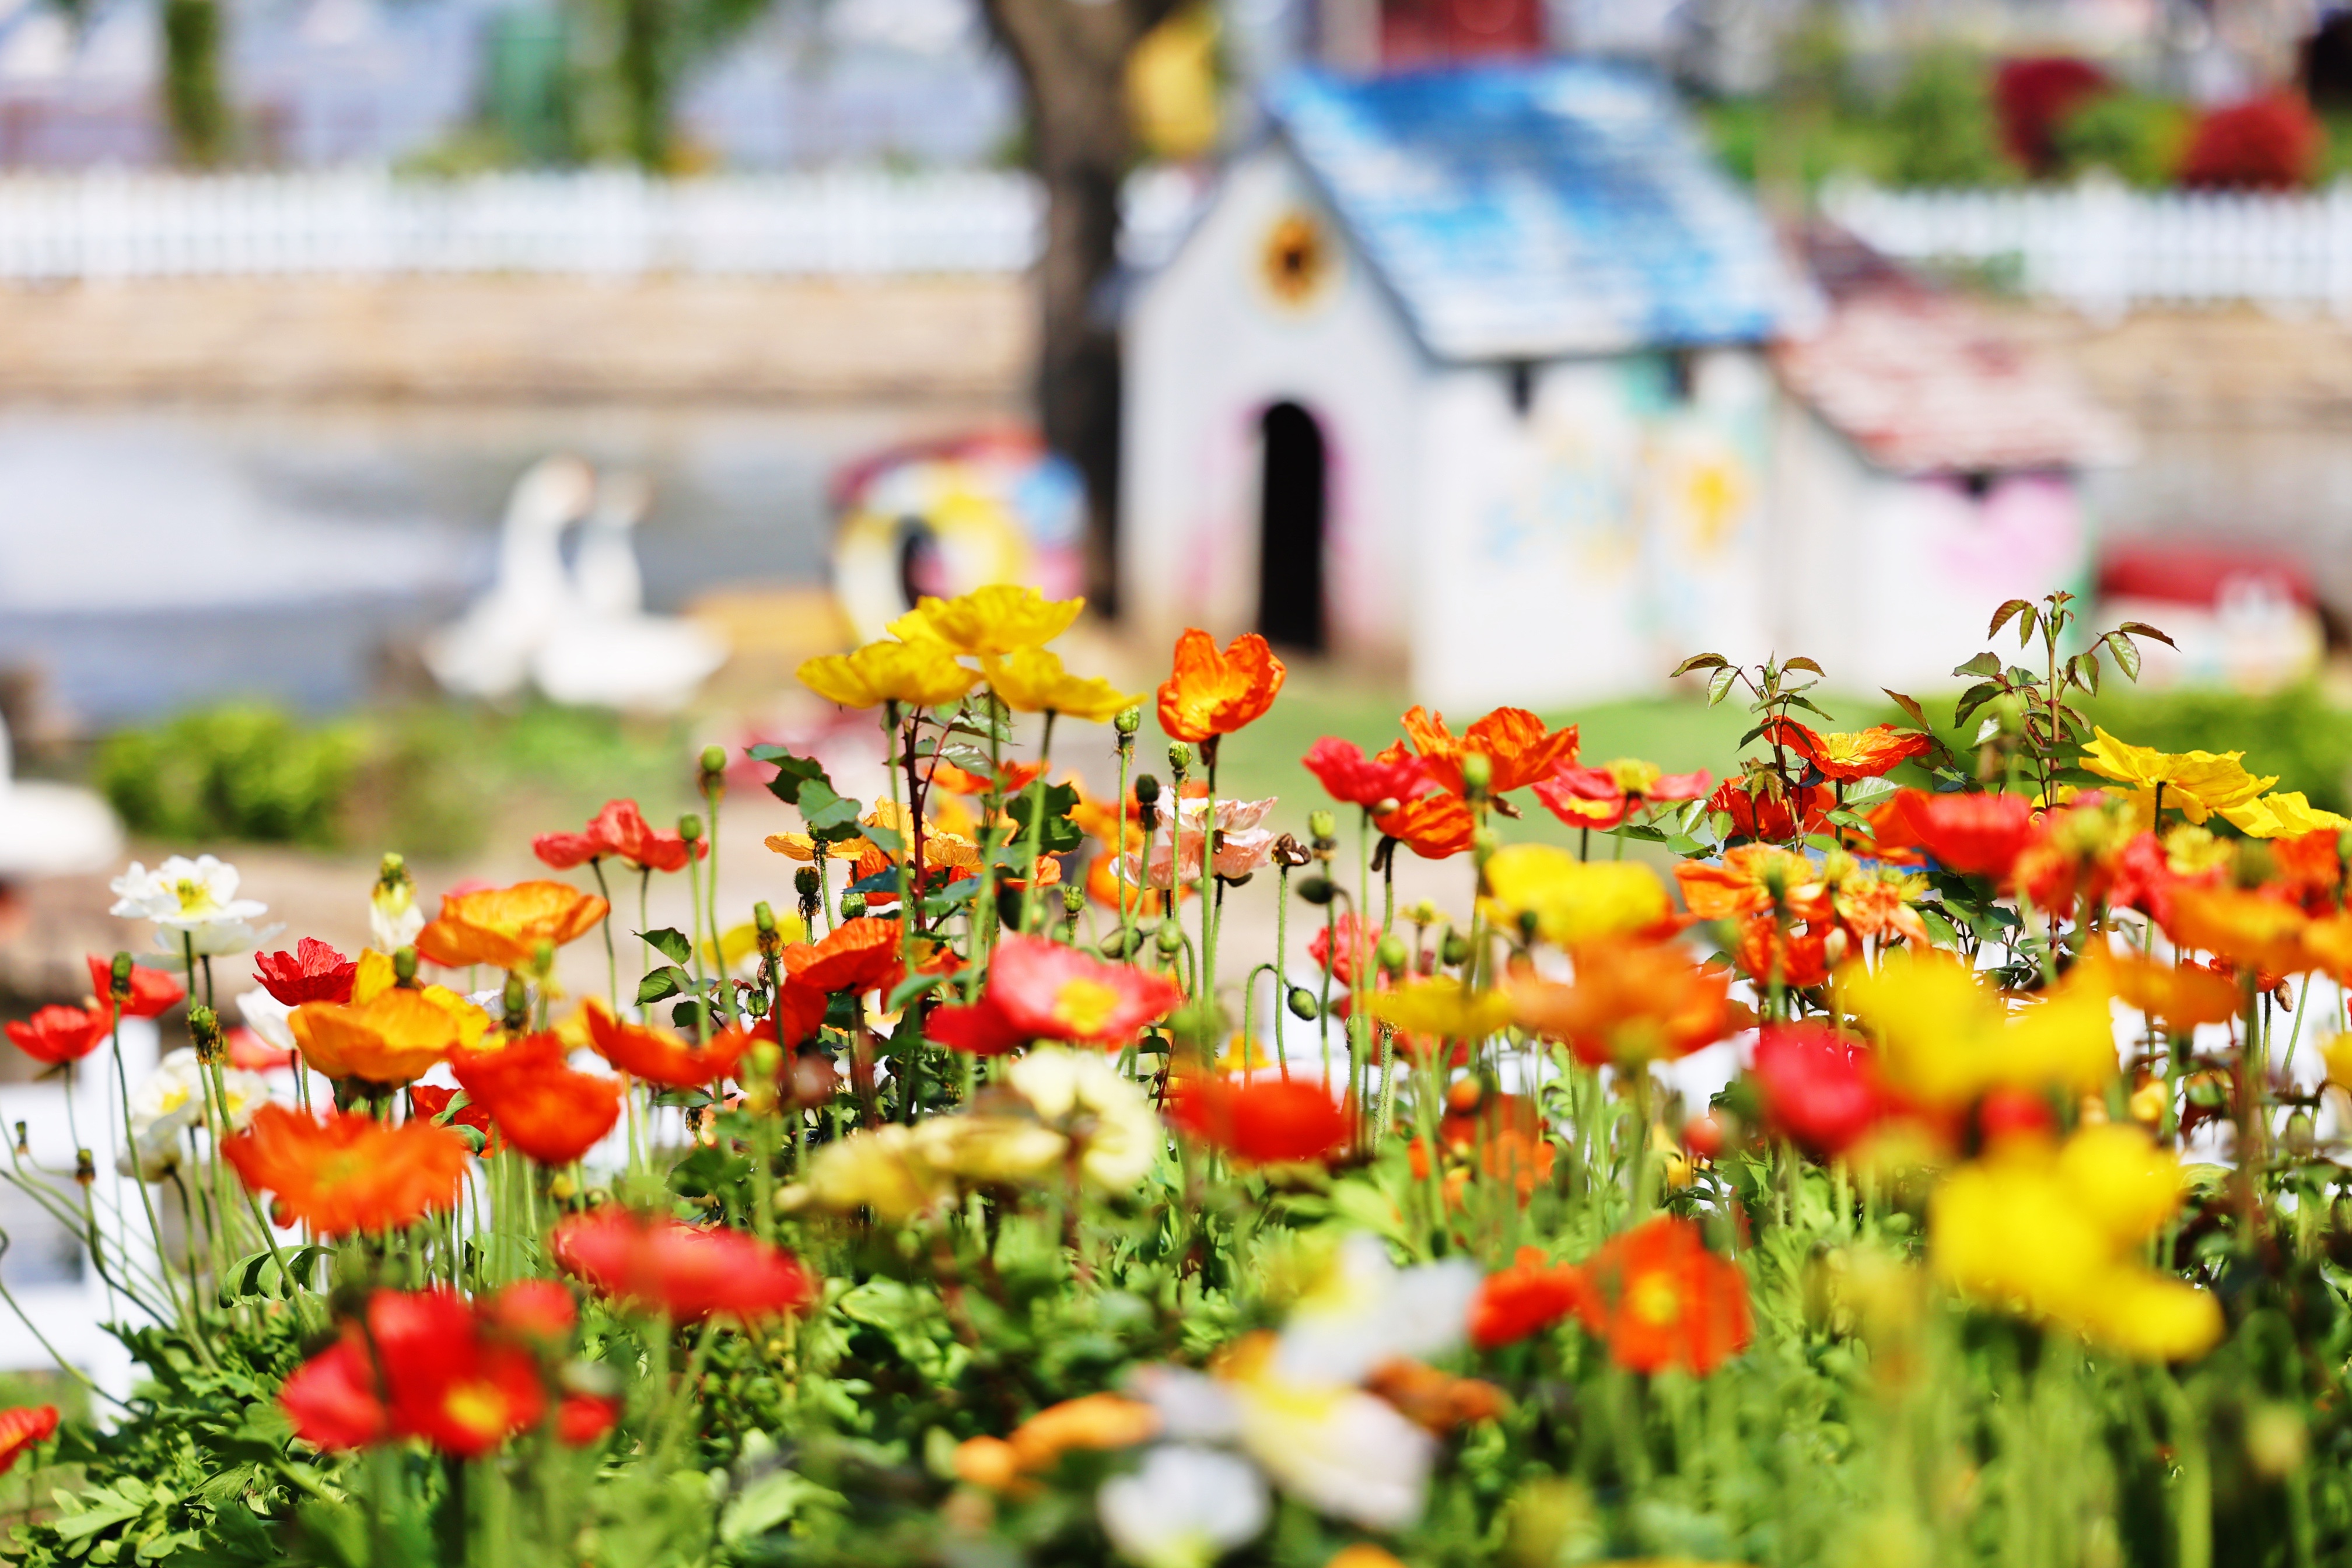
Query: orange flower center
[
  {"x": 1654, "y": 1300},
  {"x": 1085, "y": 1007}
]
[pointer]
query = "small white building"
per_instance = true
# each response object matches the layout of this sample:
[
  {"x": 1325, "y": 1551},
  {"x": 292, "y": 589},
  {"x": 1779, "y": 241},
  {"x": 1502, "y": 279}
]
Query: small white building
[
  {"x": 1462, "y": 372},
  {"x": 1928, "y": 468}
]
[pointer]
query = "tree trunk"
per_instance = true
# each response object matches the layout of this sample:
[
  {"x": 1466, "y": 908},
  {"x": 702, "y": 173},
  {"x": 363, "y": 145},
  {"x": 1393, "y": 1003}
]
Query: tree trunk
[
  {"x": 1072, "y": 56},
  {"x": 195, "y": 108}
]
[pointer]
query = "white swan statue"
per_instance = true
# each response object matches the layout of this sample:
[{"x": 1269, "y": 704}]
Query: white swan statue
[
  {"x": 51, "y": 829},
  {"x": 605, "y": 650},
  {"x": 486, "y": 652}
]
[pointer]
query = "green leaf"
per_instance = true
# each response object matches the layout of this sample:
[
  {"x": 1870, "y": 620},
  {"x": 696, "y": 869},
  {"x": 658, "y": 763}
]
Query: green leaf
[
  {"x": 793, "y": 773},
  {"x": 1910, "y": 705},
  {"x": 1809, "y": 707},
  {"x": 762, "y": 1506},
  {"x": 1801, "y": 662},
  {"x": 2142, "y": 629},
  {"x": 914, "y": 985},
  {"x": 2002, "y": 617},
  {"x": 1699, "y": 661},
  {"x": 670, "y": 943},
  {"x": 1982, "y": 664},
  {"x": 1718, "y": 684},
  {"x": 825, "y": 812},
  {"x": 2126, "y": 653},
  {"x": 662, "y": 985},
  {"x": 1058, "y": 834},
  {"x": 1974, "y": 697},
  {"x": 886, "y": 839}
]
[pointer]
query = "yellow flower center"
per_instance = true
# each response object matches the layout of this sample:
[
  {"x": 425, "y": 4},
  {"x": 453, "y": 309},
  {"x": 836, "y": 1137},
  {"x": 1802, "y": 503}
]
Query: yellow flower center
[
  {"x": 194, "y": 897},
  {"x": 1085, "y": 1007},
  {"x": 1654, "y": 1299},
  {"x": 477, "y": 1406}
]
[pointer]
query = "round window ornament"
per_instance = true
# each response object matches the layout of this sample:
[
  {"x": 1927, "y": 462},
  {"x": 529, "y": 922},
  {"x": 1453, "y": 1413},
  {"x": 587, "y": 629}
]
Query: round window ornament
[{"x": 1300, "y": 260}]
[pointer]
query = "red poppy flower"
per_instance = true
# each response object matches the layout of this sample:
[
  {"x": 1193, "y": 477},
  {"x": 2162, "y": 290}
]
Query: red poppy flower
[
  {"x": 249, "y": 1052},
  {"x": 2143, "y": 879},
  {"x": 1056, "y": 993},
  {"x": 22, "y": 1427},
  {"x": 1975, "y": 835},
  {"x": 1529, "y": 1296},
  {"x": 980, "y": 1029},
  {"x": 1860, "y": 754},
  {"x": 2310, "y": 871},
  {"x": 1267, "y": 1121},
  {"x": 56, "y": 1035},
  {"x": 583, "y": 1418},
  {"x": 1660, "y": 1299},
  {"x": 686, "y": 1273},
  {"x": 1434, "y": 827},
  {"x": 1799, "y": 954},
  {"x": 657, "y": 1056},
  {"x": 313, "y": 972},
  {"x": 1210, "y": 693},
  {"x": 1604, "y": 797},
  {"x": 448, "y": 1382},
  {"x": 1774, "y": 815},
  {"x": 1516, "y": 746},
  {"x": 548, "y": 1111},
  {"x": 1817, "y": 1088},
  {"x": 536, "y": 1311},
  {"x": 856, "y": 956},
  {"x": 430, "y": 1101},
  {"x": 619, "y": 830},
  {"x": 1355, "y": 779},
  {"x": 152, "y": 992},
  {"x": 346, "y": 1173},
  {"x": 1344, "y": 947}
]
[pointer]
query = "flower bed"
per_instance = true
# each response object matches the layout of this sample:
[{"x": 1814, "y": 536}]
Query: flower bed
[{"x": 980, "y": 1206}]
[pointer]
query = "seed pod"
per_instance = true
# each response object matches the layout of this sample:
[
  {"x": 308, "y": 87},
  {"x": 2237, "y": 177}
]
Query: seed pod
[
  {"x": 1390, "y": 954},
  {"x": 805, "y": 882},
  {"x": 1302, "y": 1004},
  {"x": 1180, "y": 758},
  {"x": 1127, "y": 723},
  {"x": 119, "y": 980},
  {"x": 203, "y": 1028}
]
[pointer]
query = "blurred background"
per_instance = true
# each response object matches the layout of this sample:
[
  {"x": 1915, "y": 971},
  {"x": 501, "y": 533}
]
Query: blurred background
[{"x": 422, "y": 419}]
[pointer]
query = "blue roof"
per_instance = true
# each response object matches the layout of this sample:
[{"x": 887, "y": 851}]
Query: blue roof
[{"x": 1533, "y": 210}]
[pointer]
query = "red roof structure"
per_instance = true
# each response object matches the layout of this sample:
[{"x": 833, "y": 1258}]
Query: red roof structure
[{"x": 1927, "y": 382}]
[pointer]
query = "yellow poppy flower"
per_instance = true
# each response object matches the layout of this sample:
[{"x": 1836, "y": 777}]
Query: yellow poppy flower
[
  {"x": 1031, "y": 680},
  {"x": 2195, "y": 784},
  {"x": 373, "y": 977},
  {"x": 1443, "y": 1009},
  {"x": 997, "y": 620},
  {"x": 2057, "y": 1234},
  {"x": 1573, "y": 900},
  {"x": 1947, "y": 1034},
  {"x": 917, "y": 674},
  {"x": 2284, "y": 814},
  {"x": 390, "y": 1039}
]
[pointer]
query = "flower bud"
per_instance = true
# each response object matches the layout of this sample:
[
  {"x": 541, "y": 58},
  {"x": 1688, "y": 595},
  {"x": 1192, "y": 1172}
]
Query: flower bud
[
  {"x": 23, "y": 1149},
  {"x": 853, "y": 906},
  {"x": 1318, "y": 890},
  {"x": 1454, "y": 950},
  {"x": 1322, "y": 824},
  {"x": 1302, "y": 1004},
  {"x": 1387, "y": 806},
  {"x": 764, "y": 919},
  {"x": 1170, "y": 938},
  {"x": 1127, "y": 723},
  {"x": 1390, "y": 953},
  {"x": 542, "y": 958},
  {"x": 1478, "y": 771},
  {"x": 1119, "y": 944},
  {"x": 714, "y": 762},
  {"x": 1147, "y": 789},
  {"x": 806, "y": 883},
  {"x": 404, "y": 969},
  {"x": 1074, "y": 899},
  {"x": 1180, "y": 758},
  {"x": 204, "y": 1030},
  {"x": 515, "y": 1004},
  {"x": 118, "y": 984},
  {"x": 85, "y": 1167},
  {"x": 690, "y": 827}
]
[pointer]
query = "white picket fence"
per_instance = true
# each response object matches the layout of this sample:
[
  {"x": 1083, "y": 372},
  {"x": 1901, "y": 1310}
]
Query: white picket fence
[
  {"x": 2104, "y": 249},
  {"x": 114, "y": 224}
]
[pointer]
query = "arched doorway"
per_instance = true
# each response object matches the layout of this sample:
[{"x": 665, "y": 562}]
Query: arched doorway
[{"x": 1291, "y": 503}]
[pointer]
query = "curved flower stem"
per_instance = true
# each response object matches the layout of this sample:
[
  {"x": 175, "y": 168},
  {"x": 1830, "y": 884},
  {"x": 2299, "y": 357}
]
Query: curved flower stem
[
  {"x": 711, "y": 790},
  {"x": 1208, "y": 990},
  {"x": 906, "y": 890},
  {"x": 701, "y": 979},
  {"x": 1119, "y": 850},
  {"x": 1037, "y": 825},
  {"x": 1281, "y": 960},
  {"x": 1365, "y": 955},
  {"x": 612, "y": 959}
]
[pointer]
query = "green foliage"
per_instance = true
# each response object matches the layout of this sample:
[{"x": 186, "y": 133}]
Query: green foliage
[
  {"x": 244, "y": 772},
  {"x": 2136, "y": 137},
  {"x": 1940, "y": 125}
]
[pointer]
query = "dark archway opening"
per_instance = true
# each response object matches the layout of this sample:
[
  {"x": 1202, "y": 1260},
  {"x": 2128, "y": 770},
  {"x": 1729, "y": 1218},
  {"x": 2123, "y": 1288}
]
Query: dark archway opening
[{"x": 1292, "y": 492}]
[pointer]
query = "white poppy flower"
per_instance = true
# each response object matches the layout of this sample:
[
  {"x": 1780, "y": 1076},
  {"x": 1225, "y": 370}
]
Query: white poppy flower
[
  {"x": 171, "y": 1100},
  {"x": 394, "y": 917},
  {"x": 1123, "y": 1136},
  {"x": 1365, "y": 1311},
  {"x": 183, "y": 894},
  {"x": 267, "y": 1016},
  {"x": 1184, "y": 1509}
]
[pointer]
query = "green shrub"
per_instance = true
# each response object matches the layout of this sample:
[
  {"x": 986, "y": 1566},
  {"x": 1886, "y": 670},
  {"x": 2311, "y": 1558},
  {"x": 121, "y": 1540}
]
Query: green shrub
[
  {"x": 243, "y": 770},
  {"x": 2137, "y": 138},
  {"x": 1939, "y": 126}
]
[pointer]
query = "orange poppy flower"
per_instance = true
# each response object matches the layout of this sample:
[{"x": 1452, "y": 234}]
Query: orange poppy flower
[
  {"x": 1632, "y": 1003},
  {"x": 154, "y": 993},
  {"x": 1529, "y": 1296},
  {"x": 1762, "y": 806},
  {"x": 344, "y": 1173},
  {"x": 20, "y": 1428},
  {"x": 1269, "y": 1121},
  {"x": 548, "y": 1111},
  {"x": 1605, "y": 796},
  {"x": 2184, "y": 995},
  {"x": 657, "y": 1056},
  {"x": 390, "y": 1038},
  {"x": 431, "y": 1102},
  {"x": 504, "y": 927},
  {"x": 1745, "y": 881},
  {"x": 1210, "y": 693},
  {"x": 1437, "y": 1402},
  {"x": 1859, "y": 754},
  {"x": 1975, "y": 835},
  {"x": 856, "y": 956},
  {"x": 1433, "y": 828},
  {"x": 1509, "y": 1155},
  {"x": 1512, "y": 740},
  {"x": 2310, "y": 869},
  {"x": 1800, "y": 956},
  {"x": 1660, "y": 1299}
]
